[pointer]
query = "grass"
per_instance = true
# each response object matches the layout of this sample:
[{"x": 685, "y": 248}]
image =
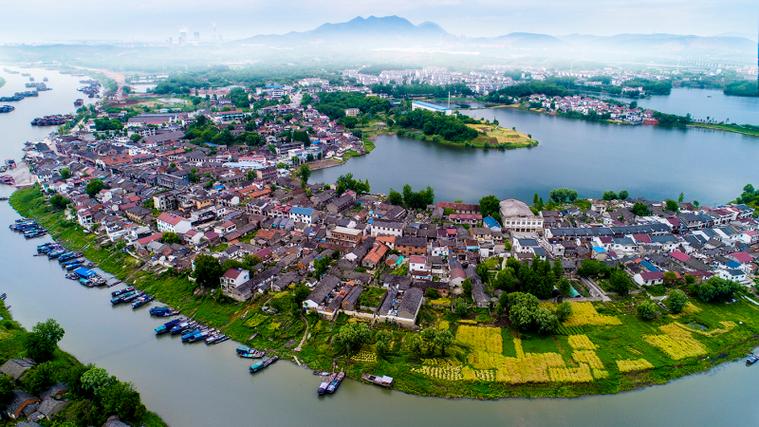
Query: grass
[
  {"x": 747, "y": 130},
  {"x": 499, "y": 137},
  {"x": 607, "y": 359}
]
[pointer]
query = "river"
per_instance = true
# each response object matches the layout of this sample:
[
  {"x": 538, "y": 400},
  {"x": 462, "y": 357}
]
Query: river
[
  {"x": 708, "y": 166},
  {"x": 705, "y": 104},
  {"x": 195, "y": 385}
]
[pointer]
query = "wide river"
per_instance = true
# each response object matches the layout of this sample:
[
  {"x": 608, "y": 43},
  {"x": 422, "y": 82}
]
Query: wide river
[{"x": 195, "y": 385}]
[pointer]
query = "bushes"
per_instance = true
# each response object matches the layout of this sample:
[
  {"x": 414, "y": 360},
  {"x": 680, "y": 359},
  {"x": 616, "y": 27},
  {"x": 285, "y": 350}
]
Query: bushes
[
  {"x": 716, "y": 290},
  {"x": 526, "y": 315},
  {"x": 676, "y": 301},
  {"x": 647, "y": 310}
]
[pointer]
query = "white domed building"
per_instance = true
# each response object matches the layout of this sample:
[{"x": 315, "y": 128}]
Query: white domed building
[{"x": 517, "y": 217}]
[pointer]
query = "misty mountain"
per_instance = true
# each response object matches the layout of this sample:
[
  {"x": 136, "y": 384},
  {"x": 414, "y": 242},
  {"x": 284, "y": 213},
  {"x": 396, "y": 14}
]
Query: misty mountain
[
  {"x": 385, "y": 31},
  {"x": 360, "y": 35}
]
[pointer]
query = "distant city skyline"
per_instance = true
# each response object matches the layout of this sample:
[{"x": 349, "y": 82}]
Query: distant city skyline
[{"x": 36, "y": 21}]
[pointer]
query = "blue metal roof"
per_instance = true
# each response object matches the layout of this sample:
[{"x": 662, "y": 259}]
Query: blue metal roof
[
  {"x": 84, "y": 272},
  {"x": 297, "y": 210}
]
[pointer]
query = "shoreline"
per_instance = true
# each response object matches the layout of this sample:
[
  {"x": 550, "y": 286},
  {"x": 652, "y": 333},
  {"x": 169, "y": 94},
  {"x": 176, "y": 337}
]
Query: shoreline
[
  {"x": 721, "y": 127},
  {"x": 177, "y": 291}
]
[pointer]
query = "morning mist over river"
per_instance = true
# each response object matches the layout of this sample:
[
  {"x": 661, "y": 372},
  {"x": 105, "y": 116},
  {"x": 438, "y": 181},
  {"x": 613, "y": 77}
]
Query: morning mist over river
[{"x": 198, "y": 386}]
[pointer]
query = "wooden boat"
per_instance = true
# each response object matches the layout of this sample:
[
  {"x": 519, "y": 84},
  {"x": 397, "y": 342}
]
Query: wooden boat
[
  {"x": 249, "y": 353},
  {"x": 751, "y": 359},
  {"x": 335, "y": 383},
  {"x": 324, "y": 385},
  {"x": 382, "y": 381}
]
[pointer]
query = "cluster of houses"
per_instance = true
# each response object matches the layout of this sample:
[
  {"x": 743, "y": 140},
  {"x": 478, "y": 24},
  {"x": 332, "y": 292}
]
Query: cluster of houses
[
  {"x": 587, "y": 106},
  {"x": 239, "y": 202}
]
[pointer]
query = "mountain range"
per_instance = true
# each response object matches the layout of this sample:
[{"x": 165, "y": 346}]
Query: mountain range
[{"x": 398, "y": 32}]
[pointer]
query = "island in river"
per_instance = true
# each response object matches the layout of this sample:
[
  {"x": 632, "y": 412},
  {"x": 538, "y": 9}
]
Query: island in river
[{"x": 462, "y": 350}]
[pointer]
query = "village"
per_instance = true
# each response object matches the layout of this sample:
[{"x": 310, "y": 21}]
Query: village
[{"x": 238, "y": 201}]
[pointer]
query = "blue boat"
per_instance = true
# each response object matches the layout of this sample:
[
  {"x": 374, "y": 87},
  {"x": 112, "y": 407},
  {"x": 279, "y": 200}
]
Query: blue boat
[
  {"x": 72, "y": 266},
  {"x": 122, "y": 291},
  {"x": 262, "y": 364},
  {"x": 335, "y": 383},
  {"x": 188, "y": 335},
  {"x": 55, "y": 254},
  {"x": 87, "y": 283},
  {"x": 249, "y": 353},
  {"x": 163, "y": 311},
  {"x": 123, "y": 297},
  {"x": 139, "y": 302},
  {"x": 181, "y": 326},
  {"x": 166, "y": 327}
]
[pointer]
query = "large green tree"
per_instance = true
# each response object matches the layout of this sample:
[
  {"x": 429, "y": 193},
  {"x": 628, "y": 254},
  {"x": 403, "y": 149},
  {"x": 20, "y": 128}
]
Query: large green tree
[
  {"x": 207, "y": 271},
  {"x": 42, "y": 341}
]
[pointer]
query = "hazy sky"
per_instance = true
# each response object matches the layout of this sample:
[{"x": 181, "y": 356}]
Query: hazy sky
[{"x": 155, "y": 20}]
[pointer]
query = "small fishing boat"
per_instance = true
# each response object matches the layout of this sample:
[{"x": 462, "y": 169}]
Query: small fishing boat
[
  {"x": 751, "y": 359},
  {"x": 216, "y": 339},
  {"x": 122, "y": 291},
  {"x": 262, "y": 364},
  {"x": 163, "y": 311},
  {"x": 249, "y": 353},
  {"x": 324, "y": 385},
  {"x": 141, "y": 301},
  {"x": 382, "y": 381},
  {"x": 189, "y": 336},
  {"x": 166, "y": 327},
  {"x": 335, "y": 383},
  {"x": 72, "y": 276},
  {"x": 181, "y": 326},
  {"x": 125, "y": 297}
]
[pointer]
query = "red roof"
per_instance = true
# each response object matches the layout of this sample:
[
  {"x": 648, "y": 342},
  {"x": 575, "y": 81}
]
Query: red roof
[
  {"x": 742, "y": 257},
  {"x": 233, "y": 273},
  {"x": 642, "y": 238},
  {"x": 153, "y": 237},
  {"x": 170, "y": 218},
  {"x": 680, "y": 256}
]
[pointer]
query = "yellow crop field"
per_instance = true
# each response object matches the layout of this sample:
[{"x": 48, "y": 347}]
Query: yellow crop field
[
  {"x": 633, "y": 365},
  {"x": 443, "y": 325},
  {"x": 676, "y": 342},
  {"x": 447, "y": 373},
  {"x": 583, "y": 313},
  {"x": 727, "y": 326},
  {"x": 600, "y": 374},
  {"x": 518, "y": 348},
  {"x": 365, "y": 355},
  {"x": 580, "y": 374},
  {"x": 581, "y": 342},
  {"x": 481, "y": 338},
  {"x": 588, "y": 357}
]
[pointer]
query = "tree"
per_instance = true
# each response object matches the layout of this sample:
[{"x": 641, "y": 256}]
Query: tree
[
  {"x": 526, "y": 314},
  {"x": 95, "y": 379},
  {"x": 467, "y": 287},
  {"x": 442, "y": 339},
  {"x": 563, "y": 195},
  {"x": 41, "y": 377},
  {"x": 119, "y": 398},
  {"x": 41, "y": 343},
  {"x": 170, "y": 238},
  {"x": 670, "y": 279},
  {"x": 647, "y": 310},
  {"x": 193, "y": 176},
  {"x": 563, "y": 311},
  {"x": 347, "y": 182},
  {"x": 490, "y": 206},
  {"x": 94, "y": 186},
  {"x": 395, "y": 198},
  {"x": 321, "y": 265},
  {"x": 65, "y": 173},
  {"x": 304, "y": 172},
  {"x": 59, "y": 202},
  {"x": 351, "y": 337},
  {"x": 610, "y": 195},
  {"x": 671, "y": 205},
  {"x": 6, "y": 390},
  {"x": 640, "y": 209},
  {"x": 623, "y": 195},
  {"x": 382, "y": 341},
  {"x": 716, "y": 289},
  {"x": 676, "y": 301},
  {"x": 207, "y": 271},
  {"x": 620, "y": 282}
]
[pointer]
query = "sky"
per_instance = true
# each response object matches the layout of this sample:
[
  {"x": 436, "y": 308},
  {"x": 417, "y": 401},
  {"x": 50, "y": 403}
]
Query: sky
[{"x": 34, "y": 21}]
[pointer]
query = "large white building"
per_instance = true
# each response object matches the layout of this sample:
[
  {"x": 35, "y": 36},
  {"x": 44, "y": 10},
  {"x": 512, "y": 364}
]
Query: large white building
[
  {"x": 517, "y": 217},
  {"x": 428, "y": 106}
]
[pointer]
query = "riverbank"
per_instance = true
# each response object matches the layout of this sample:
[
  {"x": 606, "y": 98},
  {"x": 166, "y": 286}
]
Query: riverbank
[
  {"x": 485, "y": 361},
  {"x": 747, "y": 130},
  {"x": 61, "y": 368}
]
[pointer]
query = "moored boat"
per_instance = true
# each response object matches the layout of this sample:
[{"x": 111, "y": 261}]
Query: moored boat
[
  {"x": 382, "y": 381},
  {"x": 324, "y": 385},
  {"x": 335, "y": 383},
  {"x": 262, "y": 364},
  {"x": 751, "y": 359},
  {"x": 166, "y": 327}
]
